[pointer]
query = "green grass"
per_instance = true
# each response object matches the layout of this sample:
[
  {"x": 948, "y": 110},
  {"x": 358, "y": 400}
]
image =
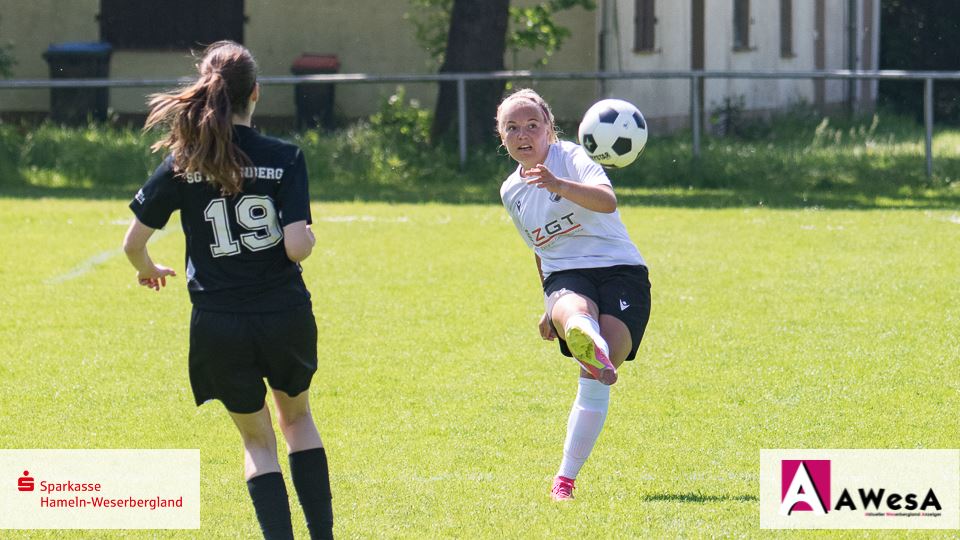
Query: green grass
[{"x": 442, "y": 410}]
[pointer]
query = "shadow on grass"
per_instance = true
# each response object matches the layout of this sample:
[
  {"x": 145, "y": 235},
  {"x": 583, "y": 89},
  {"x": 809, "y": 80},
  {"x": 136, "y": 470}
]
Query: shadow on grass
[
  {"x": 678, "y": 197},
  {"x": 741, "y": 198},
  {"x": 26, "y": 191},
  {"x": 723, "y": 178},
  {"x": 698, "y": 498}
]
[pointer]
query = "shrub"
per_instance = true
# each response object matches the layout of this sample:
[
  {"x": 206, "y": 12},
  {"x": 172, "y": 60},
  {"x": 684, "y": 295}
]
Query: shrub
[
  {"x": 90, "y": 156},
  {"x": 10, "y": 143}
]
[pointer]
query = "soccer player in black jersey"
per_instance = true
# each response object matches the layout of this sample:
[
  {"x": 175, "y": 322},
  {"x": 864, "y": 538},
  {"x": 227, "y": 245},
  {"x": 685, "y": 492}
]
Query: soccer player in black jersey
[{"x": 245, "y": 212}]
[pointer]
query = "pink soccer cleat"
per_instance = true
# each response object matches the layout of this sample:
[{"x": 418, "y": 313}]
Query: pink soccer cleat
[
  {"x": 590, "y": 356},
  {"x": 562, "y": 489}
]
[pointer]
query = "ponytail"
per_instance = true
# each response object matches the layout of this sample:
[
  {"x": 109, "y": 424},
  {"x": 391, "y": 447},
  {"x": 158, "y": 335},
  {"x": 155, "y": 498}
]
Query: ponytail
[{"x": 199, "y": 118}]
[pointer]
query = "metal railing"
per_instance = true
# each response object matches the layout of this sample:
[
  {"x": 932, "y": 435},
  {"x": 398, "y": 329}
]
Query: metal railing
[{"x": 461, "y": 79}]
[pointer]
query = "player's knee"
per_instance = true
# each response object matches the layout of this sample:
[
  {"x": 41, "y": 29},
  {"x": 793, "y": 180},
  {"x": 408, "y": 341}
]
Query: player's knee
[
  {"x": 259, "y": 440},
  {"x": 259, "y": 435},
  {"x": 292, "y": 419},
  {"x": 568, "y": 302}
]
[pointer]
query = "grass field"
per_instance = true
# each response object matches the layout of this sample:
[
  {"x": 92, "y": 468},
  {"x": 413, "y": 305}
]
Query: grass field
[{"x": 442, "y": 410}]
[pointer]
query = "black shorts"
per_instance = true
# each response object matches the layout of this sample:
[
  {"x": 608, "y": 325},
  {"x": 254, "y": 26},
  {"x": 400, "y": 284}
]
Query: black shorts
[
  {"x": 621, "y": 291},
  {"x": 231, "y": 354}
]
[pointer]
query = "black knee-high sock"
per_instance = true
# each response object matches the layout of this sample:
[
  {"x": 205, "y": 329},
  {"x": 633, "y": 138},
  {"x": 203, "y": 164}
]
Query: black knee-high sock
[
  {"x": 311, "y": 478},
  {"x": 270, "y": 501}
]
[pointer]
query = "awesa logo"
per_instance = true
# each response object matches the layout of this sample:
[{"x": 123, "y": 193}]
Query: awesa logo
[{"x": 805, "y": 487}]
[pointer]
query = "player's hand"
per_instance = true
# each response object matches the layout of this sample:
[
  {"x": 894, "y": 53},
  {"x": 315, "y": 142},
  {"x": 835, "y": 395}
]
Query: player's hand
[
  {"x": 546, "y": 328},
  {"x": 541, "y": 177},
  {"x": 156, "y": 277}
]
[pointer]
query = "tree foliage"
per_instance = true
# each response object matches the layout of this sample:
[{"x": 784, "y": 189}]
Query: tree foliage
[
  {"x": 474, "y": 35},
  {"x": 533, "y": 27}
]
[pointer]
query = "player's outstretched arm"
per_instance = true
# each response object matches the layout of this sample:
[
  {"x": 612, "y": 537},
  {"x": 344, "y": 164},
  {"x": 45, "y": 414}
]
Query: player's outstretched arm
[
  {"x": 298, "y": 240},
  {"x": 149, "y": 274},
  {"x": 598, "y": 198}
]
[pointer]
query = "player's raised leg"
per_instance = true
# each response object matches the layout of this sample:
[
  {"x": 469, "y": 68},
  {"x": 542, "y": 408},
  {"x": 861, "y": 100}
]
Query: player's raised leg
[
  {"x": 262, "y": 471},
  {"x": 575, "y": 318},
  {"x": 308, "y": 462}
]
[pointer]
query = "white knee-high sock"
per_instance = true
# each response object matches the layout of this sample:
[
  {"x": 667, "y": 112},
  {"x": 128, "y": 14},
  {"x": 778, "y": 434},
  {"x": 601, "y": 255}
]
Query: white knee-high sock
[
  {"x": 591, "y": 327},
  {"x": 584, "y": 426}
]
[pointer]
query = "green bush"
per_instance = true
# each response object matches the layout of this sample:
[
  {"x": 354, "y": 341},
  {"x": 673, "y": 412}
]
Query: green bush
[
  {"x": 798, "y": 158},
  {"x": 10, "y": 143},
  {"x": 390, "y": 157},
  {"x": 89, "y": 156}
]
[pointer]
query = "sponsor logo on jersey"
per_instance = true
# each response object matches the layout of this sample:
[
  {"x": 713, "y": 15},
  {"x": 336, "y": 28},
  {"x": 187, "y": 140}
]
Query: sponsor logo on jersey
[
  {"x": 623, "y": 305},
  {"x": 541, "y": 236}
]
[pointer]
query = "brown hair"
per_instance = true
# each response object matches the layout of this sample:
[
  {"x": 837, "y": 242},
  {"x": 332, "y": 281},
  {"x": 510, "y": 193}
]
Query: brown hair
[
  {"x": 199, "y": 117},
  {"x": 530, "y": 95}
]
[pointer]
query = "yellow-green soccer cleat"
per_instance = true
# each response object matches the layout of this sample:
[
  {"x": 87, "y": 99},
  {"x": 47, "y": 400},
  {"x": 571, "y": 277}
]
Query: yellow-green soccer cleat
[{"x": 588, "y": 355}]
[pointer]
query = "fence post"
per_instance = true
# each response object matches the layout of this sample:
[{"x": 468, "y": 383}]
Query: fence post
[
  {"x": 928, "y": 122},
  {"x": 462, "y": 120},
  {"x": 695, "y": 112}
]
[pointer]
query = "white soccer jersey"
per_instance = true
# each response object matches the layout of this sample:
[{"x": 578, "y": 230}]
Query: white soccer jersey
[{"x": 566, "y": 235}]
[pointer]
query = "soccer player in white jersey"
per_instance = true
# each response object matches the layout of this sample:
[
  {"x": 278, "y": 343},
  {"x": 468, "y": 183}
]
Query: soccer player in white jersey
[{"x": 595, "y": 283}]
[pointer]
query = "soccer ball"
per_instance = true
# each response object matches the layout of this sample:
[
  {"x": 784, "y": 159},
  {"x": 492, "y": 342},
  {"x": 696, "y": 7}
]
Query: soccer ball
[{"x": 613, "y": 132}]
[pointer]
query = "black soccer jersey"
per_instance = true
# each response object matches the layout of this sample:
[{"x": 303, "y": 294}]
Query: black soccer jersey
[{"x": 235, "y": 258}]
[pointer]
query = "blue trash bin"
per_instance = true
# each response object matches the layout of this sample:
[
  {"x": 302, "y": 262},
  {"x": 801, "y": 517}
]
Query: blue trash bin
[{"x": 74, "y": 60}]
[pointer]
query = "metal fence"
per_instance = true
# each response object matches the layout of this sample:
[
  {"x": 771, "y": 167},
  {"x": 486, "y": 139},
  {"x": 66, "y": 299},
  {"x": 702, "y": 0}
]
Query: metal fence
[{"x": 461, "y": 79}]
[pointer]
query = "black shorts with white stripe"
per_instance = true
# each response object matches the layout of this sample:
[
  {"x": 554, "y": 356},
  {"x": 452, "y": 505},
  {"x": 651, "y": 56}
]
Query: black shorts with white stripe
[{"x": 621, "y": 291}]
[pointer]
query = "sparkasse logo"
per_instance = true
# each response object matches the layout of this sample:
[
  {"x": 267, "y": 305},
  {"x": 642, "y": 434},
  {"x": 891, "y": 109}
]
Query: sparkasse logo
[{"x": 25, "y": 482}]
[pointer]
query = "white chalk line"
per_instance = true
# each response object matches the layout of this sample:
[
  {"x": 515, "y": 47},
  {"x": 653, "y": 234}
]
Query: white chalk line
[
  {"x": 94, "y": 261},
  {"x": 365, "y": 219}
]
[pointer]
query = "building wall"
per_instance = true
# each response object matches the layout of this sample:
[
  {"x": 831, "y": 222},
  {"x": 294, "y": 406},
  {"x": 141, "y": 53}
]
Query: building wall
[
  {"x": 371, "y": 36},
  {"x": 667, "y": 102},
  {"x": 31, "y": 27},
  {"x": 662, "y": 101},
  {"x": 568, "y": 98},
  {"x": 368, "y": 36}
]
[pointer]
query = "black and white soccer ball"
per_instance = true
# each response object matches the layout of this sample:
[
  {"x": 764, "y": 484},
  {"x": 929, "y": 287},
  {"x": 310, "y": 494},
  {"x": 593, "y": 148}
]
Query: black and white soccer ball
[{"x": 613, "y": 132}]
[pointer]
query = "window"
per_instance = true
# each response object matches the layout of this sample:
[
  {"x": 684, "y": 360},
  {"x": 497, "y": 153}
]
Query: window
[
  {"x": 786, "y": 28},
  {"x": 741, "y": 25},
  {"x": 643, "y": 28},
  {"x": 171, "y": 24}
]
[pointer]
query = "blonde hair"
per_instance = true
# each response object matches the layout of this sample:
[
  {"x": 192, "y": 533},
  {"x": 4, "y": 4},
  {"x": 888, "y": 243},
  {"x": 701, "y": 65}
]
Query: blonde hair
[{"x": 531, "y": 96}]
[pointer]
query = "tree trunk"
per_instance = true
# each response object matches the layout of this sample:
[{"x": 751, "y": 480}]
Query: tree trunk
[{"x": 476, "y": 42}]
